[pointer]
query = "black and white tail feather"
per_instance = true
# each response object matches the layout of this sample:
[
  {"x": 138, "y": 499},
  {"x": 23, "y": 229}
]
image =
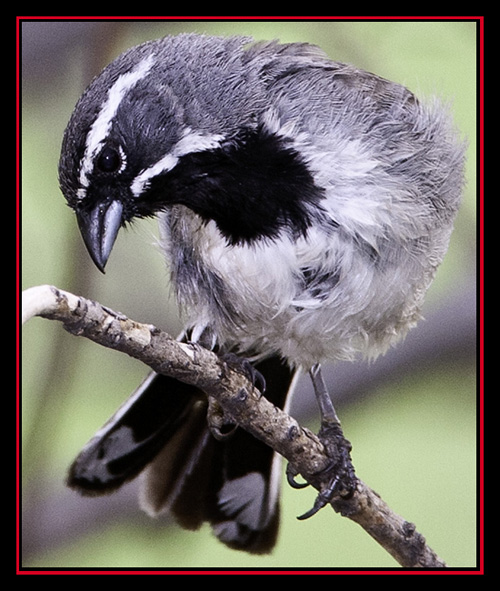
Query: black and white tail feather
[{"x": 161, "y": 430}]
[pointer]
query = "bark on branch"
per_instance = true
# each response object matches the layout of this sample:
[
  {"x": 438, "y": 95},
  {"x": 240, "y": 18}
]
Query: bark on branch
[{"x": 197, "y": 366}]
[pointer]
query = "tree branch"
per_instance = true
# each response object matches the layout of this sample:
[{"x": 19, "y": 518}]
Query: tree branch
[{"x": 195, "y": 365}]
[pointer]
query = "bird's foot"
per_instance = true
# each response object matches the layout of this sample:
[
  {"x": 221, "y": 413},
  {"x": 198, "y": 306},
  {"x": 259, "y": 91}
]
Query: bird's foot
[
  {"x": 245, "y": 367},
  {"x": 339, "y": 475},
  {"x": 219, "y": 425}
]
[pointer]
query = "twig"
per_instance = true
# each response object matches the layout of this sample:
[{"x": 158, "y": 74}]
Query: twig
[{"x": 197, "y": 366}]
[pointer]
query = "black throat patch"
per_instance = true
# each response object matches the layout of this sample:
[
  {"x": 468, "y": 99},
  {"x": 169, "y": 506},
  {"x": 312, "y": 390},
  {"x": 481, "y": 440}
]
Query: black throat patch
[{"x": 253, "y": 187}]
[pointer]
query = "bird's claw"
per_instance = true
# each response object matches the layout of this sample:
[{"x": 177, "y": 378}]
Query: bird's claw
[
  {"x": 342, "y": 479},
  {"x": 291, "y": 473},
  {"x": 243, "y": 366}
]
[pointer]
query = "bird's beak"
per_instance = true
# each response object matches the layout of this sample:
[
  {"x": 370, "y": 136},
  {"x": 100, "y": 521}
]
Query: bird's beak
[{"x": 99, "y": 228}]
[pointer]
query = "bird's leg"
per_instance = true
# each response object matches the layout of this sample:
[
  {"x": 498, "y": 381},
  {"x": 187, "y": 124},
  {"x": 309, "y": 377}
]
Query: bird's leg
[
  {"x": 326, "y": 408},
  {"x": 341, "y": 477}
]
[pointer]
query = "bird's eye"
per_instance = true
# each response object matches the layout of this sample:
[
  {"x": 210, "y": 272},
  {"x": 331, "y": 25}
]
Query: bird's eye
[{"x": 109, "y": 160}]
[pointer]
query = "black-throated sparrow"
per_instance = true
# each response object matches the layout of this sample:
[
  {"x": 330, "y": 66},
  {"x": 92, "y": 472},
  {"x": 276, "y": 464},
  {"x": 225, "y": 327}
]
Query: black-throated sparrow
[{"x": 304, "y": 207}]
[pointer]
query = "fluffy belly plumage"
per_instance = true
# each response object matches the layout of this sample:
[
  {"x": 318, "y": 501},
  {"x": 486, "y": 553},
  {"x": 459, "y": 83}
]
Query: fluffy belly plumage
[{"x": 308, "y": 300}]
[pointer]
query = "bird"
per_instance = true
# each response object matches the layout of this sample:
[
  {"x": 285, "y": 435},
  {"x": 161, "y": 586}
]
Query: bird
[{"x": 304, "y": 206}]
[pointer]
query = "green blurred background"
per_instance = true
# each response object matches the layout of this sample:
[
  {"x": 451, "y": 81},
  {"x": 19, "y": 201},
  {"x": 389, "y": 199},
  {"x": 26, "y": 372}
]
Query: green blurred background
[{"x": 411, "y": 416}]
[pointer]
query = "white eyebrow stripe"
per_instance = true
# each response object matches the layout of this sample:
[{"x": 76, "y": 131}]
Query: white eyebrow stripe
[
  {"x": 102, "y": 124},
  {"x": 191, "y": 142},
  {"x": 141, "y": 180}
]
